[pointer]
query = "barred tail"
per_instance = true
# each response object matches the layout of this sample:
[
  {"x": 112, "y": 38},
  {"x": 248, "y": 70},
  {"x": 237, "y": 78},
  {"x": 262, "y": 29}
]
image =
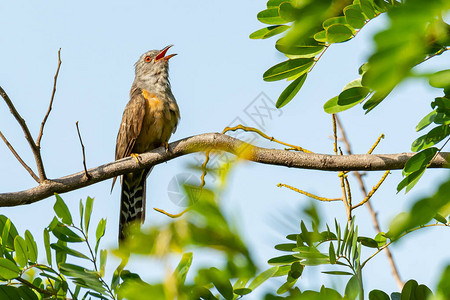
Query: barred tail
[{"x": 132, "y": 200}]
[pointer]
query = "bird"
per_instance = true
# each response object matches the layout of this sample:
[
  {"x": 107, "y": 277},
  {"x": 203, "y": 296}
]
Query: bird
[{"x": 149, "y": 119}]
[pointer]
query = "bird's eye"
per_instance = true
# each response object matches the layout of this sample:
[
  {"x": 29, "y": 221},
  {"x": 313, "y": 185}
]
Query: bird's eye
[{"x": 148, "y": 58}]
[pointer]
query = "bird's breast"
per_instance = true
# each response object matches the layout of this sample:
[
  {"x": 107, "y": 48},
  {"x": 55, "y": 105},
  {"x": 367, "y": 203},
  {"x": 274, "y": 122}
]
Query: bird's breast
[{"x": 158, "y": 124}]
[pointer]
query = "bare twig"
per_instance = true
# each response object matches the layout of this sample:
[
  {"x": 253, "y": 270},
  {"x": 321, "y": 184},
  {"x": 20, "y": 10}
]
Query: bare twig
[
  {"x": 374, "y": 189},
  {"x": 173, "y": 216},
  {"x": 270, "y": 138},
  {"x": 82, "y": 150},
  {"x": 373, "y": 214},
  {"x": 308, "y": 194},
  {"x": 19, "y": 158},
  {"x": 41, "y": 131},
  {"x": 218, "y": 142},
  {"x": 26, "y": 131}
]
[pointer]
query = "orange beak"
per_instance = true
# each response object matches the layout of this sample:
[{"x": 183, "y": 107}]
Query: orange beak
[{"x": 162, "y": 54}]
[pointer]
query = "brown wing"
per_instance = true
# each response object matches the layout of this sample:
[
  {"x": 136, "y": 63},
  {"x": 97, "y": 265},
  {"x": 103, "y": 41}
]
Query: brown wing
[{"x": 130, "y": 127}]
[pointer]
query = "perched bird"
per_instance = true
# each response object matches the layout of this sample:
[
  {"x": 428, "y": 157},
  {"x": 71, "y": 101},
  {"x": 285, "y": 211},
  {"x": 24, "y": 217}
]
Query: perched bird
[{"x": 148, "y": 121}]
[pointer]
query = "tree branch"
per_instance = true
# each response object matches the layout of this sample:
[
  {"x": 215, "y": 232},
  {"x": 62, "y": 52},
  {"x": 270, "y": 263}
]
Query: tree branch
[
  {"x": 215, "y": 142},
  {"x": 26, "y": 131}
]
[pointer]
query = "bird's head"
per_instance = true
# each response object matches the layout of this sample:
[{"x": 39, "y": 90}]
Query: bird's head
[{"x": 152, "y": 68}]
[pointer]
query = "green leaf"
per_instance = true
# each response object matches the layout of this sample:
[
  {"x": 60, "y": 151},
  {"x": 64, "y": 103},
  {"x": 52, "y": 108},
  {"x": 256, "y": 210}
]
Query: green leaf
[
  {"x": 301, "y": 49},
  {"x": 381, "y": 239},
  {"x": 286, "y": 247},
  {"x": 289, "y": 93},
  {"x": 268, "y": 32},
  {"x": 26, "y": 293},
  {"x": 354, "y": 16},
  {"x": 352, "y": 288},
  {"x": 87, "y": 213},
  {"x": 420, "y": 160},
  {"x": 368, "y": 242},
  {"x": 410, "y": 181},
  {"x": 367, "y": 8},
  {"x": 332, "y": 254},
  {"x": 443, "y": 288},
  {"x": 8, "y": 293},
  {"x": 440, "y": 79},
  {"x": 32, "y": 251},
  {"x": 103, "y": 257},
  {"x": 288, "y": 68},
  {"x": 81, "y": 214},
  {"x": 286, "y": 287},
  {"x": 321, "y": 36},
  {"x": 47, "y": 246},
  {"x": 8, "y": 270},
  {"x": 242, "y": 291},
  {"x": 8, "y": 233},
  {"x": 221, "y": 283},
  {"x": 21, "y": 251},
  {"x": 100, "y": 232},
  {"x": 62, "y": 211},
  {"x": 338, "y": 33},
  {"x": 440, "y": 219},
  {"x": 375, "y": 99},
  {"x": 334, "y": 20},
  {"x": 337, "y": 273},
  {"x": 352, "y": 96},
  {"x": 288, "y": 12},
  {"x": 433, "y": 137},
  {"x": 283, "y": 260},
  {"x": 427, "y": 120},
  {"x": 65, "y": 234},
  {"x": 409, "y": 289},
  {"x": 378, "y": 295},
  {"x": 332, "y": 106},
  {"x": 271, "y": 16},
  {"x": 274, "y": 3},
  {"x": 262, "y": 277},
  {"x": 63, "y": 248},
  {"x": 183, "y": 267},
  {"x": 60, "y": 255}
]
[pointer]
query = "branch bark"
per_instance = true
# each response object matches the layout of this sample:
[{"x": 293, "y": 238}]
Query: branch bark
[{"x": 215, "y": 142}]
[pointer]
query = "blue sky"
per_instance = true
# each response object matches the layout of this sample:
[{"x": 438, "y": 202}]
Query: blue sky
[{"x": 216, "y": 78}]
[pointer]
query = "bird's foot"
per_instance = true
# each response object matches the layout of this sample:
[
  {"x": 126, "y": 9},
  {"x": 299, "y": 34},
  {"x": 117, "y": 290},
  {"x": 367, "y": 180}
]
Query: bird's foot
[
  {"x": 166, "y": 146},
  {"x": 136, "y": 157}
]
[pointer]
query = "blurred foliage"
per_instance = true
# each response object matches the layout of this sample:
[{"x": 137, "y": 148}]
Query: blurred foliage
[{"x": 415, "y": 32}]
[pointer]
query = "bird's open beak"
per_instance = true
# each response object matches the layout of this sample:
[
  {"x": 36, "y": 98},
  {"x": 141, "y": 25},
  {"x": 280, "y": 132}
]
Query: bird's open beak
[{"x": 162, "y": 54}]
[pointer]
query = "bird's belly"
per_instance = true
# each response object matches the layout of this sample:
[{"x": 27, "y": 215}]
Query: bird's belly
[{"x": 157, "y": 127}]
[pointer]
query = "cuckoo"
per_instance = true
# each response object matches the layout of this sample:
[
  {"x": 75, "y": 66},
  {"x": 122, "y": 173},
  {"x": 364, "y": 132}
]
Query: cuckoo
[{"x": 148, "y": 121}]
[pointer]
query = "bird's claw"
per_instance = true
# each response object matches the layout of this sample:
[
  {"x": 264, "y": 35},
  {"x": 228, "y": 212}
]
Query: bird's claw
[{"x": 136, "y": 157}]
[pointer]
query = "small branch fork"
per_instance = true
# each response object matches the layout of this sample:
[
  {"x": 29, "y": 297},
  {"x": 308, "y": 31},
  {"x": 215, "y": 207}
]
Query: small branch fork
[{"x": 35, "y": 146}]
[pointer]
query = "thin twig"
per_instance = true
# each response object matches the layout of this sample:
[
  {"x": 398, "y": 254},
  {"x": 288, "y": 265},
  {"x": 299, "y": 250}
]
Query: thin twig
[
  {"x": 41, "y": 131},
  {"x": 19, "y": 158},
  {"x": 84, "y": 154},
  {"x": 28, "y": 136},
  {"x": 373, "y": 214},
  {"x": 270, "y": 138},
  {"x": 308, "y": 194},
  {"x": 374, "y": 189},
  {"x": 173, "y": 216},
  {"x": 334, "y": 134},
  {"x": 376, "y": 144}
]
